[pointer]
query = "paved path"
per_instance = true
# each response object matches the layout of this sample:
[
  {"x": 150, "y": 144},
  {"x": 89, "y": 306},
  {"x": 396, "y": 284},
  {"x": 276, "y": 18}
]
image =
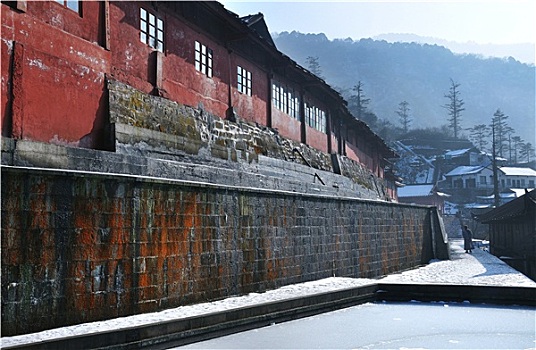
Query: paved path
[{"x": 478, "y": 268}]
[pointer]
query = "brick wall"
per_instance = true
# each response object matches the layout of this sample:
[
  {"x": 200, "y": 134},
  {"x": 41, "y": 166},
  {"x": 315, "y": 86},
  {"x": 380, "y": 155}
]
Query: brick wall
[{"x": 79, "y": 247}]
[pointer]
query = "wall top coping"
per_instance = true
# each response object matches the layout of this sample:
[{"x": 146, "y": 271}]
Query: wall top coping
[{"x": 198, "y": 184}]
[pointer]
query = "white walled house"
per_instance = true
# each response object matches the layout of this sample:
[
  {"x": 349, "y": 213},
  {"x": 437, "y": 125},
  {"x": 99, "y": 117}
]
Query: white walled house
[
  {"x": 513, "y": 177},
  {"x": 476, "y": 177},
  {"x": 479, "y": 177}
]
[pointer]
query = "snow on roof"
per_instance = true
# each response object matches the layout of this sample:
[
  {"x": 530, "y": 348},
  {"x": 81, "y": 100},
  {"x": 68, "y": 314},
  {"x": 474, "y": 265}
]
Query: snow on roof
[
  {"x": 457, "y": 152},
  {"x": 520, "y": 191},
  {"x": 465, "y": 170},
  {"x": 415, "y": 190},
  {"x": 477, "y": 206},
  {"x": 512, "y": 171}
]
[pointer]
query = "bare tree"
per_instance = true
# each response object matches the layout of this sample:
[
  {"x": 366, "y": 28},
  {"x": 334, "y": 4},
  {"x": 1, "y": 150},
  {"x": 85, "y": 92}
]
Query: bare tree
[
  {"x": 454, "y": 107},
  {"x": 403, "y": 113}
]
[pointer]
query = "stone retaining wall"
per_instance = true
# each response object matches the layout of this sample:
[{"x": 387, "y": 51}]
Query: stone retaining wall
[
  {"x": 81, "y": 246},
  {"x": 157, "y": 127}
]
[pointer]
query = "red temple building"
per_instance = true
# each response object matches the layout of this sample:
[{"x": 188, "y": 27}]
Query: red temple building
[{"x": 57, "y": 57}]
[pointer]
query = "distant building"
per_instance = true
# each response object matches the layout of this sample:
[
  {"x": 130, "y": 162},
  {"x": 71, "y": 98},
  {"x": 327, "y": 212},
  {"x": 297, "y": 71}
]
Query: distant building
[
  {"x": 469, "y": 176},
  {"x": 481, "y": 177},
  {"x": 425, "y": 194},
  {"x": 513, "y": 177}
]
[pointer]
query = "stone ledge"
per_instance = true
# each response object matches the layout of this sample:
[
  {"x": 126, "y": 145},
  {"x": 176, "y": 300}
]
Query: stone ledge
[{"x": 269, "y": 173}]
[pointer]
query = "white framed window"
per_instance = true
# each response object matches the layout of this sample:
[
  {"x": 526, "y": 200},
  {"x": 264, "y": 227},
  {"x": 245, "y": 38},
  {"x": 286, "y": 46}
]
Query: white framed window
[
  {"x": 275, "y": 95},
  {"x": 203, "y": 59},
  {"x": 315, "y": 118},
  {"x": 293, "y": 107},
  {"x": 151, "y": 30},
  {"x": 73, "y": 5},
  {"x": 283, "y": 99},
  {"x": 244, "y": 81}
]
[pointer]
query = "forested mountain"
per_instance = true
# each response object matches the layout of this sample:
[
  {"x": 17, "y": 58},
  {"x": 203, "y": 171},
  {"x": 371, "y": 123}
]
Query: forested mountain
[{"x": 421, "y": 75}]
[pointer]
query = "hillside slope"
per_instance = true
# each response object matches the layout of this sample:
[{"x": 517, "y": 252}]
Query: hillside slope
[{"x": 420, "y": 74}]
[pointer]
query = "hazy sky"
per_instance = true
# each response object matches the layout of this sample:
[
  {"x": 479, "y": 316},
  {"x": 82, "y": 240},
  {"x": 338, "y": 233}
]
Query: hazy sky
[{"x": 498, "y": 22}]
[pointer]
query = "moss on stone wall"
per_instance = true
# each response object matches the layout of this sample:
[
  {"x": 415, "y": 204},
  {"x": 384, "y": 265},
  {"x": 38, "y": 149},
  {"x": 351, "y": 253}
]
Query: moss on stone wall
[{"x": 208, "y": 135}]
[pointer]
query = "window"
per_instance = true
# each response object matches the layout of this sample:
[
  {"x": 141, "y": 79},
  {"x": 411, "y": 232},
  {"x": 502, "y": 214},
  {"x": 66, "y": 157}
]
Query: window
[
  {"x": 244, "y": 81},
  {"x": 315, "y": 118},
  {"x": 470, "y": 183},
  {"x": 275, "y": 96},
  {"x": 203, "y": 59},
  {"x": 73, "y": 5},
  {"x": 531, "y": 183},
  {"x": 151, "y": 30},
  {"x": 482, "y": 180},
  {"x": 284, "y": 99}
]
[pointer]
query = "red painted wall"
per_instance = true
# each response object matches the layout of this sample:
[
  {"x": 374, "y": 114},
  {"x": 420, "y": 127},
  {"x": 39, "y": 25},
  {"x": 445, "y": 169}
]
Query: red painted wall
[
  {"x": 134, "y": 62},
  {"x": 288, "y": 127},
  {"x": 131, "y": 59},
  {"x": 251, "y": 108},
  {"x": 316, "y": 139},
  {"x": 6, "y": 51},
  {"x": 56, "y": 91},
  {"x": 58, "y": 80}
]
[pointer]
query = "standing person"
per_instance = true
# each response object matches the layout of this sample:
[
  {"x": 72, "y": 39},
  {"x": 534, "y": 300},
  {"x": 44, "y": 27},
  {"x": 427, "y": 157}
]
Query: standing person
[{"x": 467, "y": 239}]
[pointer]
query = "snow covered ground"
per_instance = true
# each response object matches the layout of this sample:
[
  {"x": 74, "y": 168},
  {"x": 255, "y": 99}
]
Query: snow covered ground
[{"x": 479, "y": 268}]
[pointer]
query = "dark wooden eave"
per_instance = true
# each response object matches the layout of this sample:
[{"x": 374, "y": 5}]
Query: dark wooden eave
[{"x": 524, "y": 206}]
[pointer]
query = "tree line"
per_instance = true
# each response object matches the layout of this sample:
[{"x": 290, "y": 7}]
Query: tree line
[{"x": 498, "y": 132}]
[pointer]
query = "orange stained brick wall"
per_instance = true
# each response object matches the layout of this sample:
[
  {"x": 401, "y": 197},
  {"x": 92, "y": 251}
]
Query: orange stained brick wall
[{"x": 86, "y": 247}]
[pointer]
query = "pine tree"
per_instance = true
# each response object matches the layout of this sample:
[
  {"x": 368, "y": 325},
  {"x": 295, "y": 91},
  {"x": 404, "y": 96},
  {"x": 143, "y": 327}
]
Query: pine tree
[
  {"x": 526, "y": 152},
  {"x": 517, "y": 143},
  {"x": 478, "y": 135},
  {"x": 358, "y": 102},
  {"x": 314, "y": 66},
  {"x": 454, "y": 107},
  {"x": 403, "y": 113},
  {"x": 501, "y": 129}
]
